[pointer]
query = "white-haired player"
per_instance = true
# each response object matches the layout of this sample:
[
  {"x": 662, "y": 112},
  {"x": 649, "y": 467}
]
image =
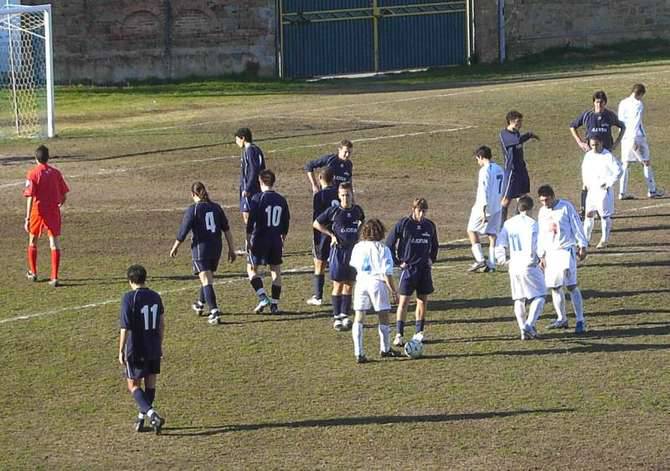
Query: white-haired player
[
  {"x": 600, "y": 171},
  {"x": 373, "y": 262},
  {"x": 520, "y": 235},
  {"x": 561, "y": 240},
  {"x": 634, "y": 147},
  {"x": 486, "y": 212}
]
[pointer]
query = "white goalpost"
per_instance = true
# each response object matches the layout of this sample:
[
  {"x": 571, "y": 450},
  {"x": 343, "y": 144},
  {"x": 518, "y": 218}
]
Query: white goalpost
[{"x": 26, "y": 72}]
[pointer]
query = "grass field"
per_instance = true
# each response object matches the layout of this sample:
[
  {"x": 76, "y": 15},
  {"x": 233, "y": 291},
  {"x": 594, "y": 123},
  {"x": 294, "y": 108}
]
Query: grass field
[{"x": 284, "y": 392}]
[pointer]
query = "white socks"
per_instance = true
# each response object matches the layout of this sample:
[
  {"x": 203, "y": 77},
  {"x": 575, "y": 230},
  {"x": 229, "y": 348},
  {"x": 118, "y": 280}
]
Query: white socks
[
  {"x": 520, "y": 313},
  {"x": 558, "y": 298},
  {"x": 357, "y": 335},
  {"x": 492, "y": 256},
  {"x": 577, "y": 303},
  {"x": 384, "y": 337},
  {"x": 588, "y": 227},
  {"x": 477, "y": 252},
  {"x": 605, "y": 227},
  {"x": 649, "y": 177},
  {"x": 623, "y": 182},
  {"x": 536, "y": 307}
]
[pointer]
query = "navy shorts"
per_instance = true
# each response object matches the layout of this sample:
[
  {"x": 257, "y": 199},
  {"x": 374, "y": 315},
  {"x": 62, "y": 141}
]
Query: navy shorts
[
  {"x": 141, "y": 368},
  {"x": 518, "y": 185},
  {"x": 205, "y": 265},
  {"x": 415, "y": 278},
  {"x": 265, "y": 253},
  {"x": 320, "y": 246},
  {"x": 244, "y": 203},
  {"x": 339, "y": 268}
]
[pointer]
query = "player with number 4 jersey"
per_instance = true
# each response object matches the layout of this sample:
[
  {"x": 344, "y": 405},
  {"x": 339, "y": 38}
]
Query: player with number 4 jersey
[
  {"x": 267, "y": 228},
  {"x": 206, "y": 221},
  {"x": 486, "y": 212}
]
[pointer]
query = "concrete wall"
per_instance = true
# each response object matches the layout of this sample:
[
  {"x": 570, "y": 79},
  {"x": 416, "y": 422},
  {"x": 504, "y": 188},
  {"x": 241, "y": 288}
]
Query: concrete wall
[
  {"x": 535, "y": 25},
  {"x": 105, "y": 41}
]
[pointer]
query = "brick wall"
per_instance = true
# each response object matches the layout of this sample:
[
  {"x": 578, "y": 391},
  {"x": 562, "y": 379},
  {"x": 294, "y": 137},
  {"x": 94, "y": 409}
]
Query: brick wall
[
  {"x": 535, "y": 25},
  {"x": 107, "y": 41}
]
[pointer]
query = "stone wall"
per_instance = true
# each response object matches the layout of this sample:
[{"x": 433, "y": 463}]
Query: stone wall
[
  {"x": 105, "y": 41},
  {"x": 535, "y": 25}
]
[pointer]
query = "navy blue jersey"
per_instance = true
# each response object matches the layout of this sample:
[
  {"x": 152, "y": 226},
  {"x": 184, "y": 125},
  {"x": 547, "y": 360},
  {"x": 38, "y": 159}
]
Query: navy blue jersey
[
  {"x": 324, "y": 199},
  {"x": 206, "y": 220},
  {"x": 413, "y": 243},
  {"x": 344, "y": 223},
  {"x": 252, "y": 162},
  {"x": 342, "y": 169},
  {"x": 268, "y": 217},
  {"x": 517, "y": 181},
  {"x": 141, "y": 312},
  {"x": 599, "y": 125}
]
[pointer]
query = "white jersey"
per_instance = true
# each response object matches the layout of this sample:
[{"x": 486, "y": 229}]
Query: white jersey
[
  {"x": 631, "y": 112},
  {"x": 372, "y": 260},
  {"x": 490, "y": 188},
  {"x": 520, "y": 233},
  {"x": 559, "y": 228},
  {"x": 600, "y": 171}
]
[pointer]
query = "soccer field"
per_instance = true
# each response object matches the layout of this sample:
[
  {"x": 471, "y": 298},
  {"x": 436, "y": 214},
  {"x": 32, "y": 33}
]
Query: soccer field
[{"x": 277, "y": 392}]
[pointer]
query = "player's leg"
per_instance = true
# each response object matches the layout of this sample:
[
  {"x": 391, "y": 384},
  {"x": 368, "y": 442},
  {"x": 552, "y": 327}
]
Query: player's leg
[
  {"x": 143, "y": 404},
  {"x": 491, "y": 263},
  {"x": 504, "y": 209},
  {"x": 32, "y": 256},
  {"x": 401, "y": 315},
  {"x": 257, "y": 285},
  {"x": 578, "y": 305},
  {"x": 318, "y": 283},
  {"x": 207, "y": 288},
  {"x": 476, "y": 248},
  {"x": 54, "y": 245},
  {"x": 520, "y": 314},
  {"x": 336, "y": 300},
  {"x": 345, "y": 303},
  {"x": 589, "y": 223},
  {"x": 582, "y": 199},
  {"x": 384, "y": 330},
  {"x": 420, "y": 315},
  {"x": 558, "y": 300},
  {"x": 357, "y": 335},
  {"x": 623, "y": 181},
  {"x": 275, "y": 273},
  {"x": 535, "y": 311}
]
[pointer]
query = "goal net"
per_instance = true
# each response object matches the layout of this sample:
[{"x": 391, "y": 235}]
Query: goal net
[{"x": 26, "y": 72}]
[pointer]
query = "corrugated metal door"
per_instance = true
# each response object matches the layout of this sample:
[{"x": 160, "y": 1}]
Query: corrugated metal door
[
  {"x": 421, "y": 33},
  {"x": 325, "y": 37},
  {"x": 331, "y": 37}
]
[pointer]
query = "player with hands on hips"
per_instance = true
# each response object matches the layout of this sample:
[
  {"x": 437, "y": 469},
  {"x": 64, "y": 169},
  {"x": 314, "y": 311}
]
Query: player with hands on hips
[
  {"x": 341, "y": 223},
  {"x": 561, "y": 241},
  {"x": 339, "y": 163},
  {"x": 373, "y": 263},
  {"x": 600, "y": 171},
  {"x": 206, "y": 221}
]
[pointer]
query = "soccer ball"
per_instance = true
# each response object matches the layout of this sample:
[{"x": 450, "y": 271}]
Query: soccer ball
[{"x": 413, "y": 349}]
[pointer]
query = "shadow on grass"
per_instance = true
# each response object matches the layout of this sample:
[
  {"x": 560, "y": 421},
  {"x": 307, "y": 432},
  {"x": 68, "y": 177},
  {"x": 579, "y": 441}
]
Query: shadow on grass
[
  {"x": 639, "y": 216},
  {"x": 659, "y": 227},
  {"x": 585, "y": 347},
  {"x": 284, "y": 316},
  {"x": 354, "y": 421}
]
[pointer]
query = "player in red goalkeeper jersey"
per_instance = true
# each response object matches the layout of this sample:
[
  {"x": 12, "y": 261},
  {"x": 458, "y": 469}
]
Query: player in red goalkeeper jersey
[{"x": 45, "y": 193}]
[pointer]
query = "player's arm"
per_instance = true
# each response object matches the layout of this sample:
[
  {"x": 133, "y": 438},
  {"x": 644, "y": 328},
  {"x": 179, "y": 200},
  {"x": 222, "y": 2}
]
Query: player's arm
[
  {"x": 575, "y": 133},
  {"x": 253, "y": 168},
  {"x": 622, "y": 129},
  {"x": 184, "y": 229},
  {"x": 29, "y": 208},
  {"x": 310, "y": 167},
  {"x": 435, "y": 245},
  {"x": 388, "y": 273},
  {"x": 393, "y": 240},
  {"x": 161, "y": 331},
  {"x": 528, "y": 136},
  {"x": 285, "y": 222},
  {"x": 578, "y": 231},
  {"x": 323, "y": 224},
  {"x": 123, "y": 337}
]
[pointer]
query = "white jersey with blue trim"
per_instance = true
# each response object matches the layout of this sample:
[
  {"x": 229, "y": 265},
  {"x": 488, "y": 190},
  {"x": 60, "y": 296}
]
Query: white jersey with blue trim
[
  {"x": 600, "y": 170},
  {"x": 371, "y": 259},
  {"x": 559, "y": 228},
  {"x": 490, "y": 187},
  {"x": 631, "y": 113},
  {"x": 520, "y": 234}
]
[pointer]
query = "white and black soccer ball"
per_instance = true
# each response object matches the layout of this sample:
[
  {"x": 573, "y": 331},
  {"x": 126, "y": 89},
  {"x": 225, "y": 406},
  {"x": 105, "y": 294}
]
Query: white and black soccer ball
[{"x": 413, "y": 349}]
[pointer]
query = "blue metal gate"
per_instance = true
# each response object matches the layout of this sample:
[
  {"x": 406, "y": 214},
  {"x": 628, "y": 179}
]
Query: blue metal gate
[{"x": 356, "y": 36}]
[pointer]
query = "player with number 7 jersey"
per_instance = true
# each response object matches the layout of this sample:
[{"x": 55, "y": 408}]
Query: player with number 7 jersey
[
  {"x": 267, "y": 228},
  {"x": 206, "y": 221}
]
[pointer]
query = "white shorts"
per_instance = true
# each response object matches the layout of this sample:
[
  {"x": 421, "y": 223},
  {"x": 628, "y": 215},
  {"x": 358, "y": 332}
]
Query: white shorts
[
  {"x": 371, "y": 293},
  {"x": 630, "y": 155},
  {"x": 477, "y": 224},
  {"x": 561, "y": 268},
  {"x": 600, "y": 201},
  {"x": 527, "y": 284}
]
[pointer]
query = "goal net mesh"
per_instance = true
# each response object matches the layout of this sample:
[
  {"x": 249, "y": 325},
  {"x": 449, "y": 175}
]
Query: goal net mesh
[{"x": 23, "y": 74}]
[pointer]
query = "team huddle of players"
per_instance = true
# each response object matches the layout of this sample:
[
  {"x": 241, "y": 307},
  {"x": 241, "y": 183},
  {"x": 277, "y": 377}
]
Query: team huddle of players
[{"x": 359, "y": 255}]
